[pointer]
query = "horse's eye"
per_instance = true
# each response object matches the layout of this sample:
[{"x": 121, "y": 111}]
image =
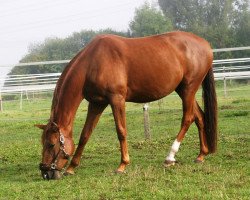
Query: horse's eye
[{"x": 51, "y": 145}]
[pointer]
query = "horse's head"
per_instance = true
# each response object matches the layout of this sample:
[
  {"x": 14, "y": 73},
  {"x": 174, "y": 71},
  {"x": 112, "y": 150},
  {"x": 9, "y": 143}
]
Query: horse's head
[{"x": 57, "y": 149}]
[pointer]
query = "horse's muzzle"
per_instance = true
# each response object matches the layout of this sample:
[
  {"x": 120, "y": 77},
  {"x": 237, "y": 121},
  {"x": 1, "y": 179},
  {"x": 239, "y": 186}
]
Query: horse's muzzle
[{"x": 49, "y": 174}]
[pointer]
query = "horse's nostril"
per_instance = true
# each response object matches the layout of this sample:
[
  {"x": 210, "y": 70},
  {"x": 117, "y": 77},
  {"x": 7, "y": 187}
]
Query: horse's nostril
[
  {"x": 45, "y": 175},
  {"x": 51, "y": 175}
]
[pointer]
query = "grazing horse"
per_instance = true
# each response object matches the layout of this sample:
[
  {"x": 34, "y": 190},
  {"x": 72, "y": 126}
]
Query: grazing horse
[{"x": 114, "y": 70}]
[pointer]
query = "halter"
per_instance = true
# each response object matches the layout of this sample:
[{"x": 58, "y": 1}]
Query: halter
[{"x": 53, "y": 165}]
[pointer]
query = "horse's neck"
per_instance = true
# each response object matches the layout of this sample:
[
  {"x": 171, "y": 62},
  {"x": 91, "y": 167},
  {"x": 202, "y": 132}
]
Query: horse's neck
[
  {"x": 66, "y": 100},
  {"x": 65, "y": 113}
]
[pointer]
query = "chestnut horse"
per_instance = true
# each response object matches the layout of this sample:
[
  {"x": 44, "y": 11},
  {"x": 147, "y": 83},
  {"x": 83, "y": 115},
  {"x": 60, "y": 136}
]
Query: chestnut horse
[{"x": 114, "y": 70}]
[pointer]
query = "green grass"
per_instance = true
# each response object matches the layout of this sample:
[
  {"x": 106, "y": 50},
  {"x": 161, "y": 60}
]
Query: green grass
[{"x": 224, "y": 175}]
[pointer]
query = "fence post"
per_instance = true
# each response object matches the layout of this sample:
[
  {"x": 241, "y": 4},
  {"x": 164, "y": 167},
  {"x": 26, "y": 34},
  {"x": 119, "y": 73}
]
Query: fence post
[
  {"x": 27, "y": 96},
  {"x": 146, "y": 121},
  {"x": 21, "y": 100},
  {"x": 225, "y": 83}
]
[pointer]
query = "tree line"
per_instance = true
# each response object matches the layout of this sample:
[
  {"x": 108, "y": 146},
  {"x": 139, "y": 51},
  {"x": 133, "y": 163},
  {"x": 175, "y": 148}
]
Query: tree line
[{"x": 224, "y": 23}]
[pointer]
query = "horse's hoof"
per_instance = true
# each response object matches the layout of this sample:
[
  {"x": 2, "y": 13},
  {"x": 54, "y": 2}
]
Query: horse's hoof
[
  {"x": 169, "y": 163},
  {"x": 68, "y": 173},
  {"x": 198, "y": 161},
  {"x": 120, "y": 172}
]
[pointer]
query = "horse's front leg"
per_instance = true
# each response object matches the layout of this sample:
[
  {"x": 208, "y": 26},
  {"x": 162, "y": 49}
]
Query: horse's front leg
[
  {"x": 118, "y": 108},
  {"x": 93, "y": 115}
]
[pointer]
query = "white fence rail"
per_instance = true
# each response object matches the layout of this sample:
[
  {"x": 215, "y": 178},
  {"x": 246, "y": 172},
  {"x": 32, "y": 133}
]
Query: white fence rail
[
  {"x": 34, "y": 82},
  {"x": 232, "y": 75},
  {"x": 44, "y": 82}
]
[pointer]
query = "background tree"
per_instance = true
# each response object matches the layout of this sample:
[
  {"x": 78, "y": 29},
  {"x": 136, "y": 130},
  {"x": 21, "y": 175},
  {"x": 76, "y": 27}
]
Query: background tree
[
  {"x": 242, "y": 24},
  {"x": 148, "y": 20},
  {"x": 217, "y": 21}
]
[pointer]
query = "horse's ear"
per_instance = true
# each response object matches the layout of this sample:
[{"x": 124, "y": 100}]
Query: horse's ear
[
  {"x": 55, "y": 127},
  {"x": 41, "y": 126}
]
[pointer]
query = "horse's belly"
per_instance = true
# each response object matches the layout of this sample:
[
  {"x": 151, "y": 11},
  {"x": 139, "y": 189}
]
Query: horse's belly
[
  {"x": 144, "y": 98},
  {"x": 148, "y": 92}
]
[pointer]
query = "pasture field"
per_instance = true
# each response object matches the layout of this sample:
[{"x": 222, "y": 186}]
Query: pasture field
[{"x": 224, "y": 175}]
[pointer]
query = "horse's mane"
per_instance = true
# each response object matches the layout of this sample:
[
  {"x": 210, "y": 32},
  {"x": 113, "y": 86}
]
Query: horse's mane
[{"x": 58, "y": 88}]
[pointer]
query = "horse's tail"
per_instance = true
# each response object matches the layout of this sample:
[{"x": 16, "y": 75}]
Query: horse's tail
[{"x": 210, "y": 110}]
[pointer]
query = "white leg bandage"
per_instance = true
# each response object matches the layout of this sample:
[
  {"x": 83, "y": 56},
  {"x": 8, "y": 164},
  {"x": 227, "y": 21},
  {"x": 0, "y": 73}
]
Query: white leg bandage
[{"x": 174, "y": 149}]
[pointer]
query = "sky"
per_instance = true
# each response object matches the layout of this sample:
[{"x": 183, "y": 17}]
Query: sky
[{"x": 23, "y": 22}]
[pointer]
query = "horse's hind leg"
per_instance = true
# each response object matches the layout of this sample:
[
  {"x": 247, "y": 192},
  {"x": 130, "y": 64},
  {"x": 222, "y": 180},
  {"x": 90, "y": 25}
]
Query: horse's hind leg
[
  {"x": 199, "y": 120},
  {"x": 93, "y": 115},
  {"x": 118, "y": 108},
  {"x": 188, "y": 99}
]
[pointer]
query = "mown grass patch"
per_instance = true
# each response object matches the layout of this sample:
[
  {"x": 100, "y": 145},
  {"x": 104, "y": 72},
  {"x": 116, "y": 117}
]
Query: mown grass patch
[
  {"x": 237, "y": 114},
  {"x": 224, "y": 175}
]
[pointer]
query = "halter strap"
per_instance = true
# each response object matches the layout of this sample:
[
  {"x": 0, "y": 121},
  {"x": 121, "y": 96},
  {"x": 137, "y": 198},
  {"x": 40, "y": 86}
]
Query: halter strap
[{"x": 53, "y": 165}]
